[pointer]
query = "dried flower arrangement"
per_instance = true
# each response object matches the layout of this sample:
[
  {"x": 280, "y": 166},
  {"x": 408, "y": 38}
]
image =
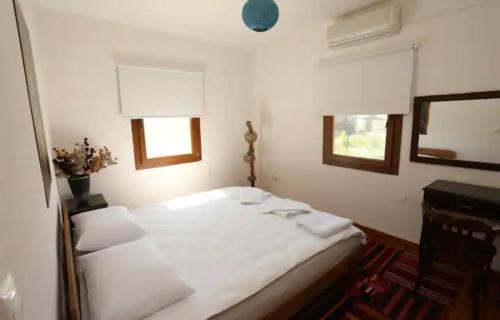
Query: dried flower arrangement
[{"x": 83, "y": 160}]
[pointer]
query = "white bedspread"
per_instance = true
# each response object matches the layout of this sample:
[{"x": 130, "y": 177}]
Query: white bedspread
[{"x": 224, "y": 250}]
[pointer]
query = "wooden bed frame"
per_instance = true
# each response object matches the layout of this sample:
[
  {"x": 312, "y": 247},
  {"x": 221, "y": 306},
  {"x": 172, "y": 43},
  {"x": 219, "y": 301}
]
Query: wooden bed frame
[{"x": 71, "y": 291}]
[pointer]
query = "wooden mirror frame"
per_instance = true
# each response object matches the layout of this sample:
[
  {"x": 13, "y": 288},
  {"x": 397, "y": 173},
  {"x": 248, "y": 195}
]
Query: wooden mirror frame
[{"x": 417, "y": 109}]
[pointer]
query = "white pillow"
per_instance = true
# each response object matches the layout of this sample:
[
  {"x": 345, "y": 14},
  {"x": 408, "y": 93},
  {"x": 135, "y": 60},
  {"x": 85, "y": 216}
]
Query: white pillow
[
  {"x": 103, "y": 228},
  {"x": 250, "y": 195},
  {"x": 130, "y": 281},
  {"x": 236, "y": 192}
]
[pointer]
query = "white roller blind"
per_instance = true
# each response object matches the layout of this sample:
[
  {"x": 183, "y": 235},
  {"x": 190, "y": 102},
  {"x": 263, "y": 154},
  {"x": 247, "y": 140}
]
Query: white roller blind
[
  {"x": 148, "y": 92},
  {"x": 376, "y": 84}
]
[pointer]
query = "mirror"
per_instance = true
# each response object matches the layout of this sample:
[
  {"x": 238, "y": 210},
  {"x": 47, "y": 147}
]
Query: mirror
[{"x": 458, "y": 130}]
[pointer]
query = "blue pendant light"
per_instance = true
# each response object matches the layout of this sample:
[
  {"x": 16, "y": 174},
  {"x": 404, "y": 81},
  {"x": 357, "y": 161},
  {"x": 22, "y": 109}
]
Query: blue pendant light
[{"x": 260, "y": 15}]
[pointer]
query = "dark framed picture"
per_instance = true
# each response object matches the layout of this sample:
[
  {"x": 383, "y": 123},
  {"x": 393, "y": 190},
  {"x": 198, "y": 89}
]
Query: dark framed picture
[{"x": 34, "y": 100}]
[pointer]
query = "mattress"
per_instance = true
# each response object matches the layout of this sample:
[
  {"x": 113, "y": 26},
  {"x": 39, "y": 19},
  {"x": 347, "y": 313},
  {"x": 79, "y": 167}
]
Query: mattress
[{"x": 242, "y": 264}]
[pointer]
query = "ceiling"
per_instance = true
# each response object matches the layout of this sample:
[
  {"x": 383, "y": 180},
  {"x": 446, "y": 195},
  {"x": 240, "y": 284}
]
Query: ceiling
[{"x": 218, "y": 20}]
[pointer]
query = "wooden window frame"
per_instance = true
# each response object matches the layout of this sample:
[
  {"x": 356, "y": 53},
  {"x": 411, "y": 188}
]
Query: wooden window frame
[
  {"x": 143, "y": 162},
  {"x": 390, "y": 165}
]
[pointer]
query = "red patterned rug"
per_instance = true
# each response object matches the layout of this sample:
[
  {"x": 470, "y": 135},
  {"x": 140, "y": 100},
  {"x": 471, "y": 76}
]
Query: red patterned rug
[{"x": 386, "y": 292}]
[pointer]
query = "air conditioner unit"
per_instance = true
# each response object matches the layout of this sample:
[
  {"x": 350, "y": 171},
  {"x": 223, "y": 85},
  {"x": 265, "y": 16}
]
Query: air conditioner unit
[{"x": 373, "y": 25}]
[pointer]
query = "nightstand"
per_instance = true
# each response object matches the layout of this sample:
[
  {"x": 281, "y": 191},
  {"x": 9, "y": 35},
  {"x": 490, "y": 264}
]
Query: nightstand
[{"x": 93, "y": 202}]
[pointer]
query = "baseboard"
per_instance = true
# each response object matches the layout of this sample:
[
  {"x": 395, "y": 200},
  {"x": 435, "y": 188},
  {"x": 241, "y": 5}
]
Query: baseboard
[{"x": 389, "y": 239}]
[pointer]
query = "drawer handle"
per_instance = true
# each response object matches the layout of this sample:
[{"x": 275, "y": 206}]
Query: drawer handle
[{"x": 466, "y": 206}]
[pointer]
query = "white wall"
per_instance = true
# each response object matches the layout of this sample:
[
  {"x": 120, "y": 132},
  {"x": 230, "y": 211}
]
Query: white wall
[
  {"x": 459, "y": 53},
  {"x": 77, "y": 57},
  {"x": 27, "y": 227}
]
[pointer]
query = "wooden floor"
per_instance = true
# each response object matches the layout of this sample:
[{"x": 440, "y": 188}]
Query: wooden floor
[{"x": 462, "y": 309}]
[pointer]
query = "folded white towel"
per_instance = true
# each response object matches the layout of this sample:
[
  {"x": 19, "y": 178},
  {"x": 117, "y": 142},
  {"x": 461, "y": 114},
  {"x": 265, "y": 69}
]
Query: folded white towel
[
  {"x": 287, "y": 214},
  {"x": 251, "y": 195},
  {"x": 323, "y": 224},
  {"x": 285, "y": 208}
]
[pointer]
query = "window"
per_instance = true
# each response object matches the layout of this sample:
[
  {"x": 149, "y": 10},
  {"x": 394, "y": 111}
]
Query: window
[
  {"x": 162, "y": 142},
  {"x": 364, "y": 142}
]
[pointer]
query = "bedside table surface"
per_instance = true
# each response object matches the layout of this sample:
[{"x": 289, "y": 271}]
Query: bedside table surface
[{"x": 94, "y": 202}]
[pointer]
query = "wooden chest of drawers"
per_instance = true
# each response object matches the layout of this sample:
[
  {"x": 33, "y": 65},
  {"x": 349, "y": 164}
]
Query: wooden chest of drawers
[{"x": 473, "y": 200}]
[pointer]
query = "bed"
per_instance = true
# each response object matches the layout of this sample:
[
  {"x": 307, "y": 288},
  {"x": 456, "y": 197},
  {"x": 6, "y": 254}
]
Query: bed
[{"x": 243, "y": 264}]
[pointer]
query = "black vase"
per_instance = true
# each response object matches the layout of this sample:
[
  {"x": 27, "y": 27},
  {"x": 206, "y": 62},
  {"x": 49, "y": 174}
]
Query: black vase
[{"x": 80, "y": 186}]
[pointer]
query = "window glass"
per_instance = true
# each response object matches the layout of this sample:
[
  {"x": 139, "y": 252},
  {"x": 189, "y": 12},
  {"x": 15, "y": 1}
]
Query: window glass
[
  {"x": 360, "y": 136},
  {"x": 167, "y": 137}
]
